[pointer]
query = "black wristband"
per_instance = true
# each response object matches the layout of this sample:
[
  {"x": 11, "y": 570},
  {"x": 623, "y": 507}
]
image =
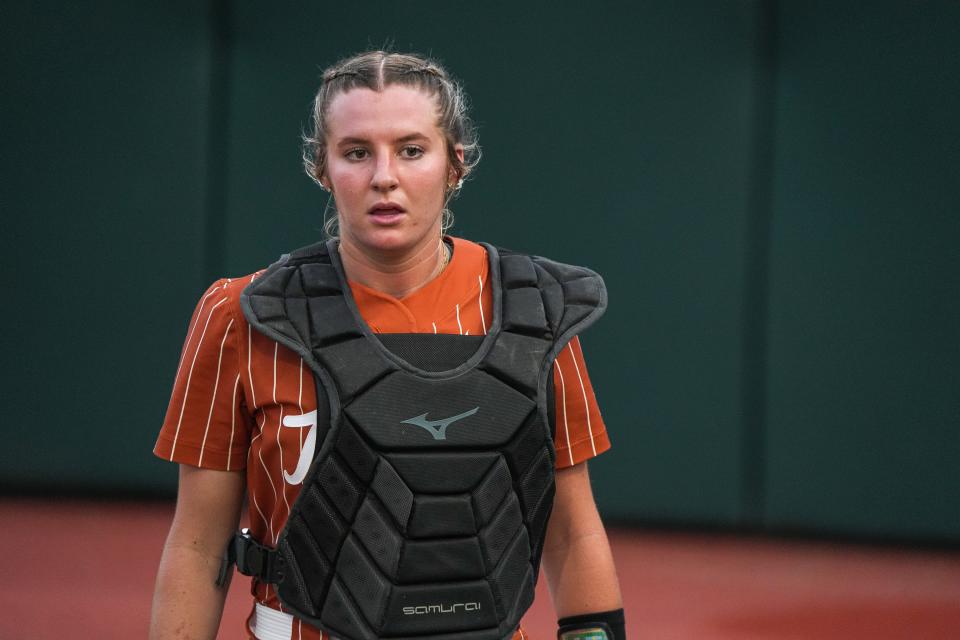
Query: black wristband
[{"x": 603, "y": 625}]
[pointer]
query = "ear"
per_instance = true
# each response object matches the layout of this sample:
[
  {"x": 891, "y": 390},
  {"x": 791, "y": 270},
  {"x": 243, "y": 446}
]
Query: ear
[{"x": 455, "y": 177}]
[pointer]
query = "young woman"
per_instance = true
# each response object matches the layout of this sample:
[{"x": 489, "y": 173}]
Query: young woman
[{"x": 409, "y": 419}]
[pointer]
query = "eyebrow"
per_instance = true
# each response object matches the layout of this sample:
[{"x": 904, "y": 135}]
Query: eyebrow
[{"x": 406, "y": 138}]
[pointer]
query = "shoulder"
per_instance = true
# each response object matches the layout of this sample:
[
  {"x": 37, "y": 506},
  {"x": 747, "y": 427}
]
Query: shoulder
[{"x": 222, "y": 297}]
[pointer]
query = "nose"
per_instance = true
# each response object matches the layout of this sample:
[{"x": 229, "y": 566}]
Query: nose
[{"x": 385, "y": 173}]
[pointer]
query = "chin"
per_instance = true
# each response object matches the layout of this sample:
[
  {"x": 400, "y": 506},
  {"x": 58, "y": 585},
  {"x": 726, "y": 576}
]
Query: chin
[{"x": 390, "y": 240}]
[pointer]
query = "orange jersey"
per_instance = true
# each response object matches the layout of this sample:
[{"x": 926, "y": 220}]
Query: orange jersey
[{"x": 242, "y": 401}]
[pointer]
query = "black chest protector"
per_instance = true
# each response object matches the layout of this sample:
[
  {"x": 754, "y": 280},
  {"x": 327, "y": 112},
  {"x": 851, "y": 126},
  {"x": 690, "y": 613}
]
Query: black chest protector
[{"x": 424, "y": 511}]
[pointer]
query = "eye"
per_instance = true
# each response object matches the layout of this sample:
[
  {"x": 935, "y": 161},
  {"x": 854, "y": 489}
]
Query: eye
[
  {"x": 356, "y": 154},
  {"x": 411, "y": 151}
]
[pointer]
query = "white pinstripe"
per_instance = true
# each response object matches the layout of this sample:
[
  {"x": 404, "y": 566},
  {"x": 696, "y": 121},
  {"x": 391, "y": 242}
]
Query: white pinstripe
[
  {"x": 483, "y": 321},
  {"x": 213, "y": 396},
  {"x": 257, "y": 507},
  {"x": 434, "y": 326},
  {"x": 563, "y": 394},
  {"x": 460, "y": 326},
  {"x": 253, "y": 494},
  {"x": 283, "y": 490},
  {"x": 269, "y": 477},
  {"x": 283, "y": 487},
  {"x": 193, "y": 327},
  {"x": 186, "y": 390},
  {"x": 276, "y": 346},
  {"x": 233, "y": 419},
  {"x": 300, "y": 400},
  {"x": 586, "y": 405},
  {"x": 253, "y": 393}
]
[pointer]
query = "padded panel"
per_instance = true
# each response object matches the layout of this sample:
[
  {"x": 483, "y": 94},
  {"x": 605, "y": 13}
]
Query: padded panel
[
  {"x": 319, "y": 279},
  {"x": 323, "y": 414},
  {"x": 538, "y": 522},
  {"x": 510, "y": 357},
  {"x": 358, "y": 573},
  {"x": 294, "y": 285},
  {"x": 431, "y": 605},
  {"x": 535, "y": 481},
  {"x": 442, "y": 472},
  {"x": 517, "y": 271},
  {"x": 357, "y": 365},
  {"x": 489, "y": 495},
  {"x": 514, "y": 571},
  {"x": 502, "y": 529},
  {"x": 523, "y": 312},
  {"x": 339, "y": 487},
  {"x": 393, "y": 493},
  {"x": 271, "y": 283},
  {"x": 425, "y": 561},
  {"x": 330, "y": 321},
  {"x": 325, "y": 525},
  {"x": 582, "y": 291},
  {"x": 269, "y": 309},
  {"x": 402, "y": 397},
  {"x": 551, "y": 293},
  {"x": 311, "y": 566},
  {"x": 442, "y": 516},
  {"x": 522, "y": 603},
  {"x": 429, "y": 351},
  {"x": 297, "y": 315},
  {"x": 379, "y": 538},
  {"x": 361, "y": 459},
  {"x": 341, "y": 615},
  {"x": 293, "y": 589},
  {"x": 524, "y": 449}
]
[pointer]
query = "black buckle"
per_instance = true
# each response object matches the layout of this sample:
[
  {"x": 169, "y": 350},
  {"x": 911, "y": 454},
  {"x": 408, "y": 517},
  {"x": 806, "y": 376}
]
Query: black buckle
[
  {"x": 250, "y": 555},
  {"x": 253, "y": 558}
]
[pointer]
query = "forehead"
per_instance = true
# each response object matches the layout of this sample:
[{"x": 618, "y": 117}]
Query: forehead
[{"x": 394, "y": 112}]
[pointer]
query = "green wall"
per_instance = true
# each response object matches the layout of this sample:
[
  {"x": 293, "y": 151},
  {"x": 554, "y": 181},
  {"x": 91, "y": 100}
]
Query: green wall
[
  {"x": 769, "y": 189},
  {"x": 104, "y": 165},
  {"x": 863, "y": 420}
]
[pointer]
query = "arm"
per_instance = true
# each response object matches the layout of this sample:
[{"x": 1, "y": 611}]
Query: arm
[
  {"x": 576, "y": 556},
  {"x": 187, "y": 603}
]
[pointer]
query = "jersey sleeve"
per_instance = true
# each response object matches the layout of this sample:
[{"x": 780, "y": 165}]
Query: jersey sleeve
[
  {"x": 207, "y": 423},
  {"x": 580, "y": 433}
]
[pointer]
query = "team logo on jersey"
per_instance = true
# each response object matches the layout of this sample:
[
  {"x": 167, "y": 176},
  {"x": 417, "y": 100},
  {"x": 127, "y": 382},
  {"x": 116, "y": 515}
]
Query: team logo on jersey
[
  {"x": 438, "y": 428},
  {"x": 309, "y": 445}
]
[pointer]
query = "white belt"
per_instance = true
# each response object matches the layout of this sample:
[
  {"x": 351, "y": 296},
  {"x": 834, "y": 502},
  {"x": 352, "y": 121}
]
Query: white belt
[{"x": 270, "y": 624}]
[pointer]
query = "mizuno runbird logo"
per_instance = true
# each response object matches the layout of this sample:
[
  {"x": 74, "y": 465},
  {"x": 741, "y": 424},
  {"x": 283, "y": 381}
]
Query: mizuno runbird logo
[{"x": 438, "y": 428}]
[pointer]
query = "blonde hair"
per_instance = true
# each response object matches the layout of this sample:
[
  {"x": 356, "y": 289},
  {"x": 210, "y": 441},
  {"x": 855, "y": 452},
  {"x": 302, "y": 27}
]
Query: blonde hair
[{"x": 377, "y": 70}]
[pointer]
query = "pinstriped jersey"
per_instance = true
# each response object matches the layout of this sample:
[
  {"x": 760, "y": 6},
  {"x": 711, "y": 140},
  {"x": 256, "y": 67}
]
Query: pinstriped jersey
[{"x": 242, "y": 401}]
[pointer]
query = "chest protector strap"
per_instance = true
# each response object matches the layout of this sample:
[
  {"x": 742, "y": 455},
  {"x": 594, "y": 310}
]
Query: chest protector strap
[{"x": 424, "y": 511}]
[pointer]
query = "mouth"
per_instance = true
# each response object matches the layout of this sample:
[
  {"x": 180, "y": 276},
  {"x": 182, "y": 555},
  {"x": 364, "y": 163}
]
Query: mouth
[{"x": 386, "y": 212}]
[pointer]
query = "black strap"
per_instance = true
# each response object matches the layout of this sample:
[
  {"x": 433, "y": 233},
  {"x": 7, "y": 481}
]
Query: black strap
[{"x": 251, "y": 558}]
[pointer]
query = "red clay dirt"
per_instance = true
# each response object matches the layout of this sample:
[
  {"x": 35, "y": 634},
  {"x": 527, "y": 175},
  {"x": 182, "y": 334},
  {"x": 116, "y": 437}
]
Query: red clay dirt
[{"x": 86, "y": 569}]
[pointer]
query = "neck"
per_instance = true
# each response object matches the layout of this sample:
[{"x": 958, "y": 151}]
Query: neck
[{"x": 396, "y": 275}]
